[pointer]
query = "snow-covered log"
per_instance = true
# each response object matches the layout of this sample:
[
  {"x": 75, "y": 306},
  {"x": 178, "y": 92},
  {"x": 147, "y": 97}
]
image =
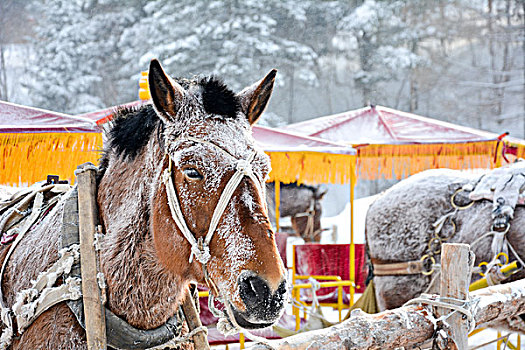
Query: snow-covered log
[{"x": 405, "y": 326}]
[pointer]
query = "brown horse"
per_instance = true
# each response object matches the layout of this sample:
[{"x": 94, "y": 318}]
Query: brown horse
[
  {"x": 196, "y": 135},
  {"x": 303, "y": 204}
]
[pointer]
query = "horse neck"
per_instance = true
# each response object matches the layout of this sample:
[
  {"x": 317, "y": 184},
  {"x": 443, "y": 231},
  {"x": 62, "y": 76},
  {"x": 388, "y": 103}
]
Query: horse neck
[{"x": 139, "y": 288}]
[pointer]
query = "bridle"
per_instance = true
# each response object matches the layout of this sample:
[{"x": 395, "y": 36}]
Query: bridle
[
  {"x": 200, "y": 247},
  {"x": 309, "y": 231}
]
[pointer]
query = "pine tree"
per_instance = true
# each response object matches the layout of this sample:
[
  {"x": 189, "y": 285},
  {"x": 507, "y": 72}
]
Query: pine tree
[{"x": 76, "y": 59}]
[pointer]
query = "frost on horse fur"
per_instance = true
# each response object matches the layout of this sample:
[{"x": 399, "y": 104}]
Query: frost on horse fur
[
  {"x": 399, "y": 226},
  {"x": 144, "y": 256}
]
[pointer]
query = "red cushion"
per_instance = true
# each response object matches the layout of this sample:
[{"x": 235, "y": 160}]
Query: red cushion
[{"x": 331, "y": 259}]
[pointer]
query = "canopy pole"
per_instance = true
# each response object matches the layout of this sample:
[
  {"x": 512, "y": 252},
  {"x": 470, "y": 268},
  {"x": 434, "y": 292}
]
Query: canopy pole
[
  {"x": 352, "y": 246},
  {"x": 277, "y": 204}
]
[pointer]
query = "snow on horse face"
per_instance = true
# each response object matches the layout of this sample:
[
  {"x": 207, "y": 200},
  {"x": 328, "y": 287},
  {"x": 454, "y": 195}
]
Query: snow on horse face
[{"x": 183, "y": 150}]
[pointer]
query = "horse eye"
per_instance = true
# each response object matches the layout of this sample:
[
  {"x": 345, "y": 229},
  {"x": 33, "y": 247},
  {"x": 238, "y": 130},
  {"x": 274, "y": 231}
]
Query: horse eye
[{"x": 192, "y": 174}]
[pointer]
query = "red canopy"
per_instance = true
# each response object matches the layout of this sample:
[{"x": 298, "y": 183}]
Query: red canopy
[
  {"x": 22, "y": 119},
  {"x": 104, "y": 115},
  {"x": 382, "y": 125},
  {"x": 294, "y": 157},
  {"x": 275, "y": 140},
  {"x": 35, "y": 142},
  {"x": 270, "y": 139},
  {"x": 395, "y": 144}
]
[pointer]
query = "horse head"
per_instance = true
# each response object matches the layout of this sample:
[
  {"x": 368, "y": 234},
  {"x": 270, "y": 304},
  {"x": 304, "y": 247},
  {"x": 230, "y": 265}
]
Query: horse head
[
  {"x": 209, "y": 215},
  {"x": 308, "y": 223}
]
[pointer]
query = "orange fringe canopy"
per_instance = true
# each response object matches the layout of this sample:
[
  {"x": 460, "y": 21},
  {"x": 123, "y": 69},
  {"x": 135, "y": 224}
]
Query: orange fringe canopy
[
  {"x": 312, "y": 167},
  {"x": 398, "y": 161},
  {"x": 30, "y": 157}
]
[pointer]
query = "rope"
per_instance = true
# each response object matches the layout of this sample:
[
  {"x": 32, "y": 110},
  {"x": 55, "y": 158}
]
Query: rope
[
  {"x": 462, "y": 306},
  {"x": 200, "y": 248},
  {"x": 202, "y": 255},
  {"x": 432, "y": 281},
  {"x": 186, "y": 338}
]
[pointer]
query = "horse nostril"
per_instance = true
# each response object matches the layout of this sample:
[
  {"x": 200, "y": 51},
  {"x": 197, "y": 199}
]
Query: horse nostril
[
  {"x": 253, "y": 290},
  {"x": 282, "y": 288}
]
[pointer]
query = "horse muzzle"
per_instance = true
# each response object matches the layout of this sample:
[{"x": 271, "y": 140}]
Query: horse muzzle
[{"x": 264, "y": 307}]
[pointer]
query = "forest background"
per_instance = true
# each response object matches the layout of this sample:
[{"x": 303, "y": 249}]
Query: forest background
[{"x": 461, "y": 61}]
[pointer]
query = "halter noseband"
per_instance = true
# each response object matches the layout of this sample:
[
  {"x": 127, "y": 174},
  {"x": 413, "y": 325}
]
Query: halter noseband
[
  {"x": 309, "y": 231},
  {"x": 199, "y": 247}
]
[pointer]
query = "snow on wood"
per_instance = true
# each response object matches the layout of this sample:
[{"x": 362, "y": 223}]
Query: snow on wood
[
  {"x": 405, "y": 326},
  {"x": 87, "y": 218},
  {"x": 455, "y": 281}
]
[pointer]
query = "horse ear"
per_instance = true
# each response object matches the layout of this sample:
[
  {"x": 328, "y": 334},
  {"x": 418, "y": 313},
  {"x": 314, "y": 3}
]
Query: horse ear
[
  {"x": 166, "y": 94},
  {"x": 254, "y": 98},
  {"x": 321, "y": 194}
]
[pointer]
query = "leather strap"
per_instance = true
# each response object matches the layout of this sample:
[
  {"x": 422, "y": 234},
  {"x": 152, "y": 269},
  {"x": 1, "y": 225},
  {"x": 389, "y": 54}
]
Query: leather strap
[{"x": 413, "y": 267}]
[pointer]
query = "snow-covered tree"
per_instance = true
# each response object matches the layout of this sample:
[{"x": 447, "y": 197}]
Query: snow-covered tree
[
  {"x": 234, "y": 39},
  {"x": 386, "y": 44},
  {"x": 76, "y": 54}
]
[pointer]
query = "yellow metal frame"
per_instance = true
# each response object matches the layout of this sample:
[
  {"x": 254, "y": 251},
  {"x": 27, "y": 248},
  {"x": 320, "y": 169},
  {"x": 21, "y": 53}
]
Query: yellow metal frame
[
  {"x": 334, "y": 281},
  {"x": 507, "y": 270},
  {"x": 509, "y": 344},
  {"x": 501, "y": 342}
]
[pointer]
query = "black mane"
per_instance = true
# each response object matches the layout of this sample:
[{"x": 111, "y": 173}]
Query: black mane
[
  {"x": 131, "y": 129},
  {"x": 217, "y": 98}
]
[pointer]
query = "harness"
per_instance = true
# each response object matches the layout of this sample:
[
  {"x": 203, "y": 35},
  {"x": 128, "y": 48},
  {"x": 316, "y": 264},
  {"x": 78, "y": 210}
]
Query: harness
[
  {"x": 309, "y": 231},
  {"x": 503, "y": 186},
  {"x": 200, "y": 247},
  {"x": 32, "y": 302}
]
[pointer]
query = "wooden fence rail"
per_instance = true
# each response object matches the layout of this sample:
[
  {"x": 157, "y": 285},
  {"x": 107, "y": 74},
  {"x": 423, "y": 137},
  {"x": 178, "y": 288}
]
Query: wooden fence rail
[{"x": 409, "y": 325}]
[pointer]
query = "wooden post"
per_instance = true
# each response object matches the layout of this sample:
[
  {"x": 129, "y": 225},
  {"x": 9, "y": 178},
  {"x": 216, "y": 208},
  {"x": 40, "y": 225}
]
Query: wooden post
[
  {"x": 87, "y": 212},
  {"x": 455, "y": 281},
  {"x": 194, "y": 321}
]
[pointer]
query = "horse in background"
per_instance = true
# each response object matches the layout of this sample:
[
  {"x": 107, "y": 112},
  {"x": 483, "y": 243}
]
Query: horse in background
[
  {"x": 303, "y": 204},
  {"x": 184, "y": 166},
  {"x": 415, "y": 216}
]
